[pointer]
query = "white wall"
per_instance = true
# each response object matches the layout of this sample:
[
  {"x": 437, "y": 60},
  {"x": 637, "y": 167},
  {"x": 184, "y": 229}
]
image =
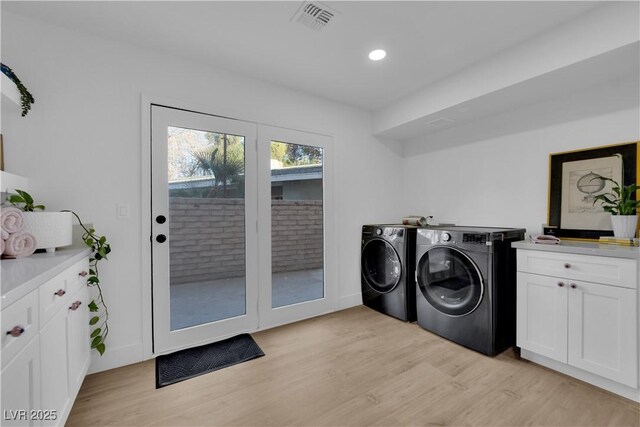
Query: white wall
[
  {"x": 502, "y": 180},
  {"x": 80, "y": 146}
]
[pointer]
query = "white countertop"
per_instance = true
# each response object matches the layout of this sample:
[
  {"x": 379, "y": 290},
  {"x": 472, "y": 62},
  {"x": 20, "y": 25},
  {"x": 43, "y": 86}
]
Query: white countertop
[
  {"x": 583, "y": 248},
  {"x": 21, "y": 276}
]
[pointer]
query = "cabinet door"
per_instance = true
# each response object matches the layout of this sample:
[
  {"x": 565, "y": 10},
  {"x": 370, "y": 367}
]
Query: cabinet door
[
  {"x": 20, "y": 381},
  {"x": 78, "y": 344},
  {"x": 603, "y": 331},
  {"x": 542, "y": 315},
  {"x": 53, "y": 362},
  {"x": 22, "y": 315}
]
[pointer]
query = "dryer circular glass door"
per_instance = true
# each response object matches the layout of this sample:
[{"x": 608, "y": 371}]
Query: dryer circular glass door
[
  {"x": 450, "y": 281},
  {"x": 381, "y": 265}
]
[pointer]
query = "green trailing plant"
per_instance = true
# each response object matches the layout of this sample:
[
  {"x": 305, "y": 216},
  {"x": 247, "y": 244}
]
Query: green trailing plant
[
  {"x": 26, "y": 99},
  {"x": 100, "y": 248},
  {"x": 24, "y": 201},
  {"x": 100, "y": 319},
  {"x": 620, "y": 201}
]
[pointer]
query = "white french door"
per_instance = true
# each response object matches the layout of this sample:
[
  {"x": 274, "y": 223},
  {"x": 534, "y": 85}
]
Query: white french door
[
  {"x": 204, "y": 239},
  {"x": 240, "y": 227},
  {"x": 296, "y": 273}
]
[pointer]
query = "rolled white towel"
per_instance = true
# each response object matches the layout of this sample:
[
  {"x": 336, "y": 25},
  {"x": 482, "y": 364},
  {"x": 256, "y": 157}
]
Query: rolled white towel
[
  {"x": 1, "y": 246},
  {"x": 11, "y": 220},
  {"x": 19, "y": 245},
  {"x": 4, "y": 234}
]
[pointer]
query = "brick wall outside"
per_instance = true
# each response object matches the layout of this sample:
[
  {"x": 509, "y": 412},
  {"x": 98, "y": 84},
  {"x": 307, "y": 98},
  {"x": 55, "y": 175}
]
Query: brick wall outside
[
  {"x": 207, "y": 239},
  {"x": 296, "y": 235}
]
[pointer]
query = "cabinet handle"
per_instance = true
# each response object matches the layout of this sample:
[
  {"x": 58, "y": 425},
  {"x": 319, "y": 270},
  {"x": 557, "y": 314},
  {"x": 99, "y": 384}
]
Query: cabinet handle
[
  {"x": 75, "y": 305},
  {"x": 561, "y": 284},
  {"x": 573, "y": 286},
  {"x": 82, "y": 274},
  {"x": 16, "y": 331},
  {"x": 60, "y": 292},
  {"x": 567, "y": 265}
]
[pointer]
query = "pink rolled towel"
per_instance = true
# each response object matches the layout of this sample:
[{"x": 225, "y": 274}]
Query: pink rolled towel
[
  {"x": 4, "y": 236},
  {"x": 19, "y": 245},
  {"x": 11, "y": 220}
]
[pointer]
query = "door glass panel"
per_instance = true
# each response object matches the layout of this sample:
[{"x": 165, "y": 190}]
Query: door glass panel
[
  {"x": 380, "y": 265},
  {"x": 207, "y": 226},
  {"x": 449, "y": 281},
  {"x": 297, "y": 245}
]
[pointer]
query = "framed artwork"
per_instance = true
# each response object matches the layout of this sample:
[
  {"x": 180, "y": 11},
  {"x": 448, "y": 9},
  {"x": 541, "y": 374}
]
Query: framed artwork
[{"x": 573, "y": 183}]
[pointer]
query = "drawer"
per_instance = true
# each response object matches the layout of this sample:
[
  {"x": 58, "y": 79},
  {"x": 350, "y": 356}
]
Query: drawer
[
  {"x": 611, "y": 271},
  {"x": 23, "y": 315},
  {"x": 77, "y": 275},
  {"x": 54, "y": 294}
]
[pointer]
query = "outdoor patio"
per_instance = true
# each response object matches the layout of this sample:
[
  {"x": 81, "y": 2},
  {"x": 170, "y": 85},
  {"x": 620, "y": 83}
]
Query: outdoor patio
[{"x": 203, "y": 302}]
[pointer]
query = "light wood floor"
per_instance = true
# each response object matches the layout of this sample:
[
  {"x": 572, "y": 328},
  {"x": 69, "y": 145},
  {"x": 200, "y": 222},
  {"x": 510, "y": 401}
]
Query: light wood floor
[{"x": 354, "y": 367}]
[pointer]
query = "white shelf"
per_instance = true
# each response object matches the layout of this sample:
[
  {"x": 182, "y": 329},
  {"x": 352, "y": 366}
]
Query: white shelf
[
  {"x": 10, "y": 90},
  {"x": 10, "y": 181}
]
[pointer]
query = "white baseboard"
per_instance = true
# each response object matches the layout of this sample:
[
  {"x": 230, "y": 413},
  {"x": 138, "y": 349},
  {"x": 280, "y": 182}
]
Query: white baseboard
[
  {"x": 349, "y": 301},
  {"x": 116, "y": 357}
]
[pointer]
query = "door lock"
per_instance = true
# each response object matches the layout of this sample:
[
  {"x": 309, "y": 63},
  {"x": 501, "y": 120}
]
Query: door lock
[
  {"x": 161, "y": 219},
  {"x": 161, "y": 238}
]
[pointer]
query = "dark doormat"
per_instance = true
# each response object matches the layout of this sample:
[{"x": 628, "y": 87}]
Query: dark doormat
[{"x": 189, "y": 363}]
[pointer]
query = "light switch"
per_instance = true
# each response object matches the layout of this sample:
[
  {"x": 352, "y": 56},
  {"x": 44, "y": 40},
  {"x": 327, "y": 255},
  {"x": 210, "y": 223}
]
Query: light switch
[{"x": 122, "y": 210}]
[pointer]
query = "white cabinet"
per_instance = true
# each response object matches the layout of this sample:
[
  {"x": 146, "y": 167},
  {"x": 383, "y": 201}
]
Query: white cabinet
[
  {"x": 581, "y": 311},
  {"x": 20, "y": 325},
  {"x": 542, "y": 315},
  {"x": 44, "y": 364},
  {"x": 603, "y": 331},
  {"x": 78, "y": 344},
  {"x": 20, "y": 380},
  {"x": 53, "y": 361}
]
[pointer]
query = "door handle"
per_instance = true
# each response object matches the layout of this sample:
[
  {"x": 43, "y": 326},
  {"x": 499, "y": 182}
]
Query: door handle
[{"x": 161, "y": 238}]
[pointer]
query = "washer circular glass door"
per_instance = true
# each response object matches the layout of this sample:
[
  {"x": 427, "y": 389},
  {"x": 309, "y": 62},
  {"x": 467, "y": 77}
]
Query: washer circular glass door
[
  {"x": 450, "y": 281},
  {"x": 381, "y": 266}
]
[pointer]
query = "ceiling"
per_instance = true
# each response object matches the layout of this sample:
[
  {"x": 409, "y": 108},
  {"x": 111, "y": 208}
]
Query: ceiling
[
  {"x": 425, "y": 41},
  {"x": 613, "y": 75}
]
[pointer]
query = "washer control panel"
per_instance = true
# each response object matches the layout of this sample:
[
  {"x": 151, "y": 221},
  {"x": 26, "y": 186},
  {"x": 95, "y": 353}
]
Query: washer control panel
[{"x": 385, "y": 232}]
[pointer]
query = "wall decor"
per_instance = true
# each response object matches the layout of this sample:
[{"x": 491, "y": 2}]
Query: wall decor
[
  {"x": 26, "y": 99},
  {"x": 573, "y": 185}
]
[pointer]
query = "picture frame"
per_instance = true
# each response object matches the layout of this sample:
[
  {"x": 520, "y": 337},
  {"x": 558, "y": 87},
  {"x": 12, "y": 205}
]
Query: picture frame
[{"x": 571, "y": 212}]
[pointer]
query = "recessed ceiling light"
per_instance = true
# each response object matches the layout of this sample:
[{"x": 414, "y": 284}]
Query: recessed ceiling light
[{"x": 377, "y": 55}]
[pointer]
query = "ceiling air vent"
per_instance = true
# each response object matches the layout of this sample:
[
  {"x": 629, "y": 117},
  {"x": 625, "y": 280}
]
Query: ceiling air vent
[{"x": 314, "y": 15}]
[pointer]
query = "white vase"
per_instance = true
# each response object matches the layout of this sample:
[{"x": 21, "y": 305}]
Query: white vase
[
  {"x": 624, "y": 225},
  {"x": 51, "y": 229}
]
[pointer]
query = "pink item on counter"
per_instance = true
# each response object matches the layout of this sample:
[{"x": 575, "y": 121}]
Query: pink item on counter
[
  {"x": 11, "y": 220},
  {"x": 4, "y": 234},
  {"x": 1, "y": 246},
  {"x": 19, "y": 245}
]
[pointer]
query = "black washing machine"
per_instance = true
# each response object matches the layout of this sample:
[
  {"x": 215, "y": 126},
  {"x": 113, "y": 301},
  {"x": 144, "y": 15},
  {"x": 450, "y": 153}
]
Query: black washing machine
[
  {"x": 387, "y": 266},
  {"x": 466, "y": 285}
]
